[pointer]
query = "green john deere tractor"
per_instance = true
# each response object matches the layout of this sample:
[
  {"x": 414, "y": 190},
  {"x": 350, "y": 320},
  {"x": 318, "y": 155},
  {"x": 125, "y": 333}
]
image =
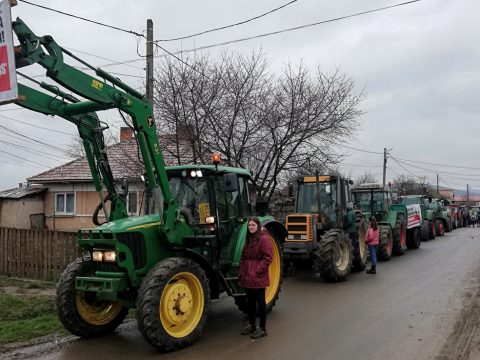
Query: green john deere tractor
[
  {"x": 374, "y": 200},
  {"x": 166, "y": 264},
  {"x": 443, "y": 218}
]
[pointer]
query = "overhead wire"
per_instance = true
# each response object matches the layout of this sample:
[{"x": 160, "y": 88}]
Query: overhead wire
[
  {"x": 82, "y": 18},
  {"x": 228, "y": 26}
]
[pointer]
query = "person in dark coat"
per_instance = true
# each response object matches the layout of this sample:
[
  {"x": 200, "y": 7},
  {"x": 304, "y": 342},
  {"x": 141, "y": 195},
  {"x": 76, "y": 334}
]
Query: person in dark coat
[{"x": 253, "y": 275}]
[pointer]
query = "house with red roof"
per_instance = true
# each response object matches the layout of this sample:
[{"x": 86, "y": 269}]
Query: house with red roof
[{"x": 66, "y": 197}]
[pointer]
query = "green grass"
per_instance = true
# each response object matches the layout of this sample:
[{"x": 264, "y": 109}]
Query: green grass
[{"x": 25, "y": 316}]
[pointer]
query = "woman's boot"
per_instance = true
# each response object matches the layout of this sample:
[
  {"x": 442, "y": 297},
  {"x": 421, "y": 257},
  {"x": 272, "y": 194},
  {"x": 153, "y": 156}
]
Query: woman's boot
[{"x": 372, "y": 270}]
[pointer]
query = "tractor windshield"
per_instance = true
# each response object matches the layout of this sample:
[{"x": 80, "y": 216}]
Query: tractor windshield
[
  {"x": 307, "y": 200},
  {"x": 362, "y": 200},
  {"x": 192, "y": 197}
]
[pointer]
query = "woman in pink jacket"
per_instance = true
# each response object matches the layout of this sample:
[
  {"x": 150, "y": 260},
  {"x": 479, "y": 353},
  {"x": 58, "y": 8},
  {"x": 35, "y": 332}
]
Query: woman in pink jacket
[
  {"x": 372, "y": 240},
  {"x": 253, "y": 276}
]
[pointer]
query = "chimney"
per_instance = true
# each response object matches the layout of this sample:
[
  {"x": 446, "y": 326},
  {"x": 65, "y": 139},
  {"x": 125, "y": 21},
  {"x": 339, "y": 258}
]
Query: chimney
[
  {"x": 20, "y": 185},
  {"x": 126, "y": 134}
]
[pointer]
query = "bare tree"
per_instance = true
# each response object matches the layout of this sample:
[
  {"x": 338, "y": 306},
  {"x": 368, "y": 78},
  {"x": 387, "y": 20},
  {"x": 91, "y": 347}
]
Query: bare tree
[
  {"x": 366, "y": 177},
  {"x": 407, "y": 185},
  {"x": 272, "y": 125}
]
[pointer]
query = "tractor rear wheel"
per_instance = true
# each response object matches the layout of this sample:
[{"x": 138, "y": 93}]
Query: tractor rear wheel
[
  {"x": 359, "y": 261},
  {"x": 172, "y": 304},
  {"x": 413, "y": 238},
  {"x": 399, "y": 241},
  {"x": 431, "y": 229},
  {"x": 79, "y": 311},
  {"x": 275, "y": 274},
  {"x": 334, "y": 255},
  {"x": 385, "y": 247},
  {"x": 439, "y": 228},
  {"x": 424, "y": 230}
]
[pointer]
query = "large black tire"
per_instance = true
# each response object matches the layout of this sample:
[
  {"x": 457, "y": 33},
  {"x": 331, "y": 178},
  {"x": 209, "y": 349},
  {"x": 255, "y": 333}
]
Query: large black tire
[
  {"x": 413, "y": 238},
  {"x": 172, "y": 304},
  {"x": 448, "y": 228},
  {"x": 385, "y": 247},
  {"x": 399, "y": 239},
  {"x": 439, "y": 228},
  {"x": 431, "y": 229},
  {"x": 360, "y": 253},
  {"x": 424, "y": 230},
  {"x": 275, "y": 273},
  {"x": 334, "y": 255},
  {"x": 79, "y": 312}
]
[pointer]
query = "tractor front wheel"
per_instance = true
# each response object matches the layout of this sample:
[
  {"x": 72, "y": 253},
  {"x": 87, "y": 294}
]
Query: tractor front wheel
[
  {"x": 275, "y": 274},
  {"x": 359, "y": 261},
  {"x": 172, "y": 304},
  {"x": 439, "y": 228},
  {"x": 79, "y": 311},
  {"x": 424, "y": 230},
  {"x": 334, "y": 255},
  {"x": 399, "y": 241},
  {"x": 385, "y": 246}
]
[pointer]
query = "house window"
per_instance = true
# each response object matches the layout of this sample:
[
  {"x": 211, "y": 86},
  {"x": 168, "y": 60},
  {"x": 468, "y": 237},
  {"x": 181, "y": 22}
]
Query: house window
[
  {"x": 132, "y": 203},
  {"x": 64, "y": 203}
]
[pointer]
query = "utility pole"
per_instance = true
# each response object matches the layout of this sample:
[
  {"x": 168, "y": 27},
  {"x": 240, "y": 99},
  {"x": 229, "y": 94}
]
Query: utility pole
[
  {"x": 468, "y": 196},
  {"x": 384, "y": 166},
  {"x": 438, "y": 192},
  {"x": 149, "y": 79},
  {"x": 149, "y": 57}
]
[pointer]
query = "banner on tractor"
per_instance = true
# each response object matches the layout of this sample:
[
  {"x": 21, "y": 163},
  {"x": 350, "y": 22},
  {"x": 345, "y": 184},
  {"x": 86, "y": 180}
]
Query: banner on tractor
[
  {"x": 8, "y": 76},
  {"x": 414, "y": 216}
]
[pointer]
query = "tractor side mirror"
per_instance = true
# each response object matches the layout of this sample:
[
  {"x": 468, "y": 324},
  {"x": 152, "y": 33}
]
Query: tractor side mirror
[
  {"x": 261, "y": 208},
  {"x": 230, "y": 182},
  {"x": 290, "y": 190}
]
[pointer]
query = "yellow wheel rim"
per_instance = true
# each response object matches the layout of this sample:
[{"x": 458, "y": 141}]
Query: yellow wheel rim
[
  {"x": 341, "y": 256},
  {"x": 181, "y": 304},
  {"x": 96, "y": 312},
  {"x": 274, "y": 272}
]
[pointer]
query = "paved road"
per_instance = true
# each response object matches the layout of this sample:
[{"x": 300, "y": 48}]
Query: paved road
[{"x": 406, "y": 311}]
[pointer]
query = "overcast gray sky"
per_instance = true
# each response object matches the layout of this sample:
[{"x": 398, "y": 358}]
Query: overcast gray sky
[{"x": 418, "y": 64}]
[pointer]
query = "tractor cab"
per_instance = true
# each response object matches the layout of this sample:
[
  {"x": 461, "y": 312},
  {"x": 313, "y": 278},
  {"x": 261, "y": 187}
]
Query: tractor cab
[{"x": 373, "y": 199}]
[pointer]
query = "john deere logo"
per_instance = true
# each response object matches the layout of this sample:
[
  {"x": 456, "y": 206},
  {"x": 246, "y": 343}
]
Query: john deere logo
[
  {"x": 97, "y": 84},
  {"x": 150, "y": 121}
]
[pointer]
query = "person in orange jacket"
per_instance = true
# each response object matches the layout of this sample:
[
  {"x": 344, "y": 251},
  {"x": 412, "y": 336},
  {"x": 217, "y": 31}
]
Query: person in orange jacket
[{"x": 372, "y": 240}]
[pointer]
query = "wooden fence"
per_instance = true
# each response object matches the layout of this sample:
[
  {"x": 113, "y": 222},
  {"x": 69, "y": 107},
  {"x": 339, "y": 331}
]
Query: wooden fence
[{"x": 36, "y": 254}]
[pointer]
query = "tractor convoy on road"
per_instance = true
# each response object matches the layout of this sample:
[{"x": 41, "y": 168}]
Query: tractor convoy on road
[{"x": 185, "y": 250}]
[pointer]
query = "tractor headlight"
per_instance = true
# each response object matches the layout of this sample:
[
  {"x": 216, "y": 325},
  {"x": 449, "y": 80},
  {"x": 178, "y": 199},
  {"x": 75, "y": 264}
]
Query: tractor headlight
[
  {"x": 290, "y": 237},
  {"x": 97, "y": 255},
  {"x": 109, "y": 256},
  {"x": 303, "y": 237}
]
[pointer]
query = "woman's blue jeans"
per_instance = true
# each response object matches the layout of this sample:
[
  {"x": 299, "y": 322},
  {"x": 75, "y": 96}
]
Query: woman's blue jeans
[{"x": 373, "y": 254}]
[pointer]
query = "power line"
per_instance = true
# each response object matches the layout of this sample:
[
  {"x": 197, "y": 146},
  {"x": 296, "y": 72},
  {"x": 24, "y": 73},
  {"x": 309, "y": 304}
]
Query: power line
[
  {"x": 297, "y": 27},
  {"x": 227, "y": 26},
  {"x": 36, "y": 126},
  {"x": 361, "y": 150},
  {"x": 34, "y": 140},
  {"x": 265, "y": 34},
  {"x": 105, "y": 58},
  {"x": 30, "y": 150},
  {"x": 82, "y": 18},
  {"x": 22, "y": 158}
]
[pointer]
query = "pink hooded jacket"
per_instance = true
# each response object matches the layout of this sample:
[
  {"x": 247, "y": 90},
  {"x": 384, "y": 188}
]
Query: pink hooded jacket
[{"x": 373, "y": 236}]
